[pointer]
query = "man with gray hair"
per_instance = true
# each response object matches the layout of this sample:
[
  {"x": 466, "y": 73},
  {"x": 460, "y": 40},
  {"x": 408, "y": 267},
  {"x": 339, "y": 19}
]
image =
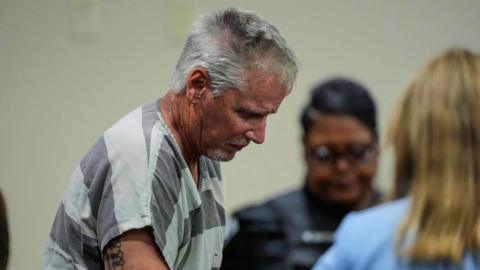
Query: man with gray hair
[{"x": 148, "y": 194}]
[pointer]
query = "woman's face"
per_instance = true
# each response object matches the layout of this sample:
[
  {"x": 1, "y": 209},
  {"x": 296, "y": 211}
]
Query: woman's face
[{"x": 341, "y": 156}]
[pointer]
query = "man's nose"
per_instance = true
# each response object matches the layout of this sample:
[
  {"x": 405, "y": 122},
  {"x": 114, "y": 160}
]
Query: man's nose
[{"x": 257, "y": 132}]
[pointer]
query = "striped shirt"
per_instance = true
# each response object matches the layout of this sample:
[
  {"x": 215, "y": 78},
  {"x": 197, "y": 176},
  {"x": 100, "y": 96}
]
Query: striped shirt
[{"x": 135, "y": 177}]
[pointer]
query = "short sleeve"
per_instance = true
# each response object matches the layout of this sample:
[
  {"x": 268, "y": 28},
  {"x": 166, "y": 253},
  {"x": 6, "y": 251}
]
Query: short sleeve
[{"x": 167, "y": 221}]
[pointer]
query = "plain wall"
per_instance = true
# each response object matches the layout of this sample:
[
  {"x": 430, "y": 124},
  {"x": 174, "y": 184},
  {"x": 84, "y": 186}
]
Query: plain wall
[{"x": 70, "y": 68}]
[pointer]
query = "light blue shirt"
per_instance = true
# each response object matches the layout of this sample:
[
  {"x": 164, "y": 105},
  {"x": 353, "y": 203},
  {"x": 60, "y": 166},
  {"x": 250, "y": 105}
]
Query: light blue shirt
[{"x": 366, "y": 240}]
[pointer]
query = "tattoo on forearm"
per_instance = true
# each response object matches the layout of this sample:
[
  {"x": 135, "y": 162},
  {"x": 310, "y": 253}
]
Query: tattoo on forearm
[{"x": 113, "y": 256}]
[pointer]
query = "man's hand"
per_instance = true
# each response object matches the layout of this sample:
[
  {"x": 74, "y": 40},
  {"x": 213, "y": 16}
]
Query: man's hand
[{"x": 135, "y": 249}]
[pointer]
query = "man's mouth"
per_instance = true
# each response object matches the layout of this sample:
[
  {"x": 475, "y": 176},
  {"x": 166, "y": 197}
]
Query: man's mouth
[
  {"x": 237, "y": 147},
  {"x": 238, "y": 143}
]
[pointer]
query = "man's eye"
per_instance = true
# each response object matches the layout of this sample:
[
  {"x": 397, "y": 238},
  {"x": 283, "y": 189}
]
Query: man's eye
[{"x": 249, "y": 115}]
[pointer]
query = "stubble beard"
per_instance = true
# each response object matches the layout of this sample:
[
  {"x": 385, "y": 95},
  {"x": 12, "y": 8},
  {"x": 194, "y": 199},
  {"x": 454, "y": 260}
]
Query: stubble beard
[{"x": 220, "y": 154}]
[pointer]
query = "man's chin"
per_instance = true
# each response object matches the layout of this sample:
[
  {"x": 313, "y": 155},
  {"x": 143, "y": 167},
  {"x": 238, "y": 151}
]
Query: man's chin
[{"x": 221, "y": 155}]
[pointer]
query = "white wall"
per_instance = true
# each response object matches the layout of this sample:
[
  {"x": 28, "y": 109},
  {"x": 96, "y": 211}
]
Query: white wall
[{"x": 70, "y": 68}]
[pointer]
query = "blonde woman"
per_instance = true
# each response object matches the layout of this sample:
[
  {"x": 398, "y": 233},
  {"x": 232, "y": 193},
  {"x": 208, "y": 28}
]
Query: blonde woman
[{"x": 434, "y": 223}]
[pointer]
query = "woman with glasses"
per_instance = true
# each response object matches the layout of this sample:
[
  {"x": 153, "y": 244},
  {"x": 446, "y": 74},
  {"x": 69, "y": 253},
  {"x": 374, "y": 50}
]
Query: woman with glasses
[
  {"x": 434, "y": 223},
  {"x": 292, "y": 230}
]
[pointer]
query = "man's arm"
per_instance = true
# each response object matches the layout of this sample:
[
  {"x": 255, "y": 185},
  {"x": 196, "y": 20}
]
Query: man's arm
[{"x": 135, "y": 249}]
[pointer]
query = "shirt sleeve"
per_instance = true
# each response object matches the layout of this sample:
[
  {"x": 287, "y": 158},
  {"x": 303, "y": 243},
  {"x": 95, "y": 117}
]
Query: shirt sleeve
[
  {"x": 168, "y": 222},
  {"x": 140, "y": 192}
]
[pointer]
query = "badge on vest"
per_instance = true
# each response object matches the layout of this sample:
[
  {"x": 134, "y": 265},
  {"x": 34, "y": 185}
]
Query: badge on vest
[{"x": 317, "y": 237}]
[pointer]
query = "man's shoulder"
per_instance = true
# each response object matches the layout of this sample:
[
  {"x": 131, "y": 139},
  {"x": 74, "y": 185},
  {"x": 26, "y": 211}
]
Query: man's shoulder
[
  {"x": 129, "y": 129},
  {"x": 140, "y": 132}
]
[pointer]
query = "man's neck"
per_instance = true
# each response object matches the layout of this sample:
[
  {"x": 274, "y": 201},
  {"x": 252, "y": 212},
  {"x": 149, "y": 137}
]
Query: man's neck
[{"x": 175, "y": 111}]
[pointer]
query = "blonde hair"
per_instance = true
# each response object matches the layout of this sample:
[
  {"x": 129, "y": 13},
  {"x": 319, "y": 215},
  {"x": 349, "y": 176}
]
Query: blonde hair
[{"x": 435, "y": 134}]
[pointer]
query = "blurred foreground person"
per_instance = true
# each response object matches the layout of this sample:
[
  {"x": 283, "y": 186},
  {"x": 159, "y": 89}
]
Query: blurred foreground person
[
  {"x": 148, "y": 194},
  {"x": 435, "y": 135},
  {"x": 292, "y": 230},
  {"x": 4, "y": 235}
]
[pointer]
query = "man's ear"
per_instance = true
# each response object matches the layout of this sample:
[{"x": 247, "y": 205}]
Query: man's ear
[{"x": 197, "y": 84}]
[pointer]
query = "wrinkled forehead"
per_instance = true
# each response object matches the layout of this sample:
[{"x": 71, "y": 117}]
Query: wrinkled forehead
[{"x": 264, "y": 91}]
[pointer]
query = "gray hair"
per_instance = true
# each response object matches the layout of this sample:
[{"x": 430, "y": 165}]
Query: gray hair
[{"x": 230, "y": 42}]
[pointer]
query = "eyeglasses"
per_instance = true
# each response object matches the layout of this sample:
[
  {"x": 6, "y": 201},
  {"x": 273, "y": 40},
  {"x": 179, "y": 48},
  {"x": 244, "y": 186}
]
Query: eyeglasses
[{"x": 355, "y": 153}]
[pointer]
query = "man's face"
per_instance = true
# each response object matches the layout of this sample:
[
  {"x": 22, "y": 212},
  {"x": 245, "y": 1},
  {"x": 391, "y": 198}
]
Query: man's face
[{"x": 230, "y": 121}]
